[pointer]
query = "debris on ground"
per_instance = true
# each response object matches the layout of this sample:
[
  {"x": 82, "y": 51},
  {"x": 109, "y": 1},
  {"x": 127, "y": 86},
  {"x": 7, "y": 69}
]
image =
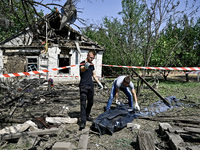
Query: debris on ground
[{"x": 34, "y": 115}]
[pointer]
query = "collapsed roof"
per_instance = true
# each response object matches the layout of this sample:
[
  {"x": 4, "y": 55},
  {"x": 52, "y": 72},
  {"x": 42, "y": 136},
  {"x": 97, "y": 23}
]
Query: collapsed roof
[{"x": 55, "y": 29}]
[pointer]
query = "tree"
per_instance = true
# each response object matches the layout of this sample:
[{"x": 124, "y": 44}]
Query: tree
[
  {"x": 148, "y": 28},
  {"x": 19, "y": 15},
  {"x": 23, "y": 13}
]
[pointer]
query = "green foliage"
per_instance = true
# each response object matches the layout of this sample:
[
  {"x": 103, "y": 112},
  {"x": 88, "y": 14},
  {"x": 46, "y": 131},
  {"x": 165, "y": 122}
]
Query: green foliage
[
  {"x": 149, "y": 35},
  {"x": 21, "y": 14},
  {"x": 177, "y": 46},
  {"x": 123, "y": 143}
]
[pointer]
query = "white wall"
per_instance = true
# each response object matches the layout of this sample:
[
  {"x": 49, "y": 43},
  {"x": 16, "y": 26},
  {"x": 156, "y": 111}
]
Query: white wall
[
  {"x": 98, "y": 67},
  {"x": 74, "y": 75},
  {"x": 50, "y": 61},
  {"x": 74, "y": 70},
  {"x": 53, "y": 59}
]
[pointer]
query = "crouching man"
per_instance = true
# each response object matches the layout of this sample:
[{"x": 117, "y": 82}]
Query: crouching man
[{"x": 123, "y": 83}]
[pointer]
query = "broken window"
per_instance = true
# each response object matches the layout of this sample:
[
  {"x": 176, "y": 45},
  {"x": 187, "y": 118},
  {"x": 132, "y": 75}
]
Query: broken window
[
  {"x": 32, "y": 63},
  {"x": 63, "y": 61}
]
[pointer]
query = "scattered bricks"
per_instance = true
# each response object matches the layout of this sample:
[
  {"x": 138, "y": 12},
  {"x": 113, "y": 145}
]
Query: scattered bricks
[
  {"x": 62, "y": 146},
  {"x": 83, "y": 141},
  {"x": 175, "y": 141},
  {"x": 164, "y": 127}
]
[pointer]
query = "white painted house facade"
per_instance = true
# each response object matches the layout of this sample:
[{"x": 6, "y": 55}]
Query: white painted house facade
[{"x": 27, "y": 51}]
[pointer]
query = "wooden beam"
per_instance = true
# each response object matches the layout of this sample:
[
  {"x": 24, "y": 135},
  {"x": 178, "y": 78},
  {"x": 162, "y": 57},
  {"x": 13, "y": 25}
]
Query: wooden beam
[
  {"x": 162, "y": 98},
  {"x": 31, "y": 133}
]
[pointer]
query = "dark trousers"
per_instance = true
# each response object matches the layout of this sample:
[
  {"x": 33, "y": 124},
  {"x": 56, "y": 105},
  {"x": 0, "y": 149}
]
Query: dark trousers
[{"x": 86, "y": 94}]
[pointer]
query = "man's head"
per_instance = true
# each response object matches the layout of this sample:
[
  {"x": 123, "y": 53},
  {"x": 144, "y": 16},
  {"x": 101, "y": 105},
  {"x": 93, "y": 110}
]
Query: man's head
[
  {"x": 91, "y": 55},
  {"x": 126, "y": 81}
]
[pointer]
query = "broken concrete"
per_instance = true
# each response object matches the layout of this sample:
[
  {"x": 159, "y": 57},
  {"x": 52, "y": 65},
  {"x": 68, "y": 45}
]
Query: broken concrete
[
  {"x": 164, "y": 127},
  {"x": 83, "y": 141},
  {"x": 175, "y": 140},
  {"x": 62, "y": 146}
]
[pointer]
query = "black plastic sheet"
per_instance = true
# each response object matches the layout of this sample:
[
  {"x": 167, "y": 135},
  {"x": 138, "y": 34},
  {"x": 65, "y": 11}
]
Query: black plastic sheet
[
  {"x": 118, "y": 118},
  {"x": 113, "y": 120}
]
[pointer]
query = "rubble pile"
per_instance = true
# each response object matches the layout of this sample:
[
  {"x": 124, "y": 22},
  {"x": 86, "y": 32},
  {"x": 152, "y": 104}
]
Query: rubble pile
[
  {"x": 36, "y": 115},
  {"x": 33, "y": 114}
]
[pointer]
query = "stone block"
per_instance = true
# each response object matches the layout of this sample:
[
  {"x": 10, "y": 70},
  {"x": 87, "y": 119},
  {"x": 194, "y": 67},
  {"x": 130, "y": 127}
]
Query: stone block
[
  {"x": 133, "y": 126},
  {"x": 62, "y": 146},
  {"x": 83, "y": 141},
  {"x": 164, "y": 127},
  {"x": 175, "y": 141}
]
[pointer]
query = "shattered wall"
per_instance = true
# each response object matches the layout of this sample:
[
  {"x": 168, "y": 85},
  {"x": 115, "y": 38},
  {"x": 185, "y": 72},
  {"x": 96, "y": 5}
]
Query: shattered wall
[{"x": 14, "y": 64}]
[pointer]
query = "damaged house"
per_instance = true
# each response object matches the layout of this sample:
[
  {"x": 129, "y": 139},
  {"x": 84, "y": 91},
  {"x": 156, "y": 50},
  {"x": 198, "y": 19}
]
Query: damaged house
[{"x": 28, "y": 51}]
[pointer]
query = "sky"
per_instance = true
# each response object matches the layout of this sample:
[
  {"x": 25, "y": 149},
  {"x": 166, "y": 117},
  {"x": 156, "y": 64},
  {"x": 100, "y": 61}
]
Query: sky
[
  {"x": 96, "y": 10},
  {"x": 93, "y": 11}
]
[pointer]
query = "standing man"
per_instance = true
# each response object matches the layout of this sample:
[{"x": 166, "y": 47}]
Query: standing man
[
  {"x": 87, "y": 71},
  {"x": 122, "y": 83}
]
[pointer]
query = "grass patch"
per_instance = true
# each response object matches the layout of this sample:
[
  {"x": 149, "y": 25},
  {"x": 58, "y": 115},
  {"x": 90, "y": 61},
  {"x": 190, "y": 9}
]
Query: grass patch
[{"x": 123, "y": 143}]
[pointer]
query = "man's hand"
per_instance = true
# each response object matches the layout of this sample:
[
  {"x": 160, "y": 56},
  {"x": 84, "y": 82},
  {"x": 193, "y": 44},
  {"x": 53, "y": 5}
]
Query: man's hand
[
  {"x": 87, "y": 64},
  {"x": 101, "y": 86},
  {"x": 137, "y": 106}
]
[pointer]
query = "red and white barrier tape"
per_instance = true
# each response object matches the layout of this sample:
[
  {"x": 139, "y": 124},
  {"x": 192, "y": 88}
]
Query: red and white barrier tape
[
  {"x": 174, "y": 73},
  {"x": 193, "y": 69},
  {"x": 158, "y": 68},
  {"x": 33, "y": 72}
]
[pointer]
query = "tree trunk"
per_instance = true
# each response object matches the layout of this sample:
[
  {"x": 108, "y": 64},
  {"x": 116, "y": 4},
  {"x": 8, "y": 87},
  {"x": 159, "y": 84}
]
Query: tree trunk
[
  {"x": 139, "y": 87},
  {"x": 187, "y": 77}
]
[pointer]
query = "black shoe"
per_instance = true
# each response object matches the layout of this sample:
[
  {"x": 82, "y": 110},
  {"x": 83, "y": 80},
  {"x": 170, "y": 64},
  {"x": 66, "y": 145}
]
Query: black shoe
[
  {"x": 82, "y": 126},
  {"x": 89, "y": 119}
]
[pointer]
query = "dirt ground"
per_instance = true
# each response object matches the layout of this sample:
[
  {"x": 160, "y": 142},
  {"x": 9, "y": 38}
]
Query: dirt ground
[{"x": 52, "y": 102}]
